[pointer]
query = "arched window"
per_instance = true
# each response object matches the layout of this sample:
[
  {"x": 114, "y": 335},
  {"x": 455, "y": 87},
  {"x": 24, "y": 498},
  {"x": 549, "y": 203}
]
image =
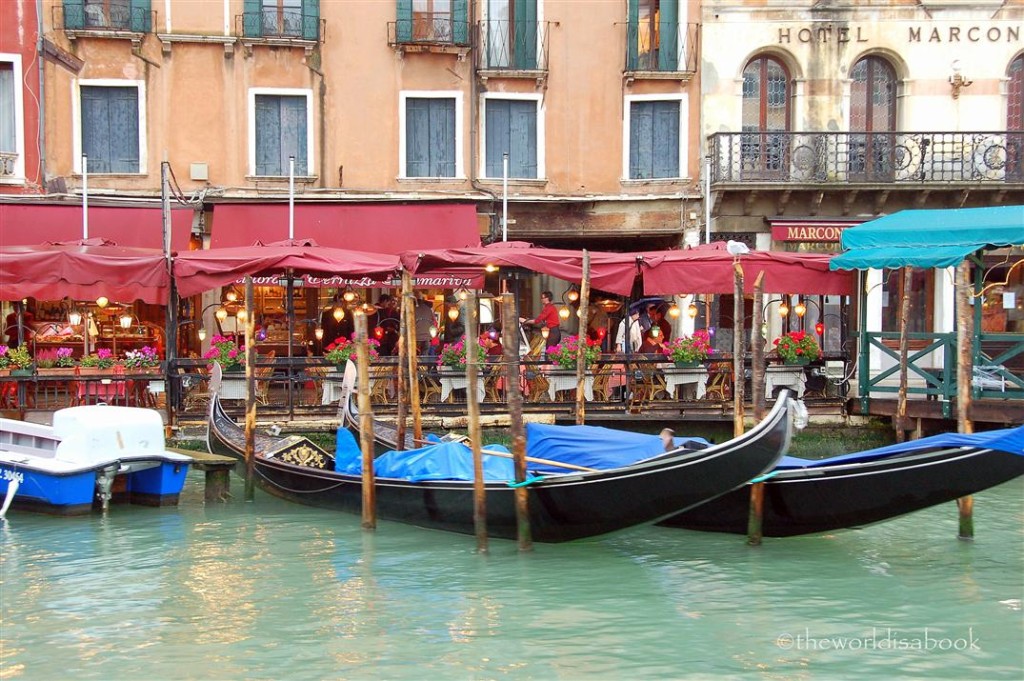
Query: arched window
[
  {"x": 1015, "y": 121},
  {"x": 873, "y": 113},
  {"x": 766, "y": 110}
]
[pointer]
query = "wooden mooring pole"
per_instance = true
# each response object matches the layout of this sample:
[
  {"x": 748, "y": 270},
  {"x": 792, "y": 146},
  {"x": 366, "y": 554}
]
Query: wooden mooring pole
[
  {"x": 365, "y": 423},
  {"x": 965, "y": 289},
  {"x": 510, "y": 343},
  {"x": 409, "y": 312},
  {"x": 582, "y": 337},
  {"x": 901, "y": 400},
  {"x": 403, "y": 362},
  {"x": 250, "y": 393},
  {"x": 471, "y": 341},
  {"x": 756, "y": 515}
]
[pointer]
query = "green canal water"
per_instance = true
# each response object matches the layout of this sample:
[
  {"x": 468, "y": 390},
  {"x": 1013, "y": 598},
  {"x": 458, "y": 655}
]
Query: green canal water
[{"x": 271, "y": 590}]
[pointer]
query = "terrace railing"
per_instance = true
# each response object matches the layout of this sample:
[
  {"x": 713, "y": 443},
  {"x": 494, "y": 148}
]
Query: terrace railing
[{"x": 512, "y": 45}]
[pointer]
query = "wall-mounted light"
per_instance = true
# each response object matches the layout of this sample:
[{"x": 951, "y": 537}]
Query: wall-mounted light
[
  {"x": 800, "y": 309},
  {"x": 126, "y": 321},
  {"x": 957, "y": 81},
  {"x": 453, "y": 312},
  {"x": 75, "y": 317},
  {"x": 102, "y": 302}
]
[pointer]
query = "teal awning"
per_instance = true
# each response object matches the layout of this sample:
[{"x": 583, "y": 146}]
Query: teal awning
[{"x": 929, "y": 238}]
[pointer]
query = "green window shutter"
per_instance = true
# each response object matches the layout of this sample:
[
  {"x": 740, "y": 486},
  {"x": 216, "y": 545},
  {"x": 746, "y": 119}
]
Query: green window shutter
[
  {"x": 460, "y": 22},
  {"x": 311, "y": 19},
  {"x": 268, "y": 135},
  {"x": 110, "y": 128},
  {"x": 523, "y": 139},
  {"x": 668, "y": 27},
  {"x": 665, "y": 154},
  {"x": 403, "y": 27},
  {"x": 141, "y": 16},
  {"x": 497, "y": 123},
  {"x": 417, "y": 137},
  {"x": 293, "y": 134},
  {"x": 524, "y": 36},
  {"x": 252, "y": 19},
  {"x": 74, "y": 14},
  {"x": 632, "y": 34}
]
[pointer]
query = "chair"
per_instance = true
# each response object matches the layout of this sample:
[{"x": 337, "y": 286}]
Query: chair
[
  {"x": 262, "y": 377},
  {"x": 493, "y": 384},
  {"x": 720, "y": 383},
  {"x": 602, "y": 377},
  {"x": 430, "y": 388},
  {"x": 380, "y": 384},
  {"x": 195, "y": 390},
  {"x": 316, "y": 375},
  {"x": 645, "y": 384}
]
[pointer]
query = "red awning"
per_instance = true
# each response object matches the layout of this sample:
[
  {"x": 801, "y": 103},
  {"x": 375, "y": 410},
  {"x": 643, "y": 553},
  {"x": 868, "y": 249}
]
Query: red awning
[
  {"x": 372, "y": 227},
  {"x": 84, "y": 270},
  {"x": 28, "y": 224},
  {"x": 611, "y": 272},
  {"x": 710, "y": 270},
  {"x": 198, "y": 271}
]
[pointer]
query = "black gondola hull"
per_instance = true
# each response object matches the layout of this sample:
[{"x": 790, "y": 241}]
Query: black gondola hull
[
  {"x": 562, "y": 508},
  {"x": 814, "y": 500}
]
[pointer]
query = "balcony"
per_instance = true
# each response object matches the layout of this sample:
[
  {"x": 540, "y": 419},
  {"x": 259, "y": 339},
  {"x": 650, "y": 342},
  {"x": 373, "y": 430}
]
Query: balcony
[
  {"x": 512, "y": 49},
  {"x": 912, "y": 160},
  {"x": 430, "y": 32},
  {"x": 287, "y": 27},
  {"x": 670, "y": 52},
  {"x": 108, "y": 20}
]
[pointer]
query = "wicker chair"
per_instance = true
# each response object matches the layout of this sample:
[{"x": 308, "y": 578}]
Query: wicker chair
[{"x": 720, "y": 383}]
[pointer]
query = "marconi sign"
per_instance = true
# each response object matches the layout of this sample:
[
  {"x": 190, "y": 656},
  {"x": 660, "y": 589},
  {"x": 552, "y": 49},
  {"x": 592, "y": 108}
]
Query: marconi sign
[{"x": 840, "y": 35}]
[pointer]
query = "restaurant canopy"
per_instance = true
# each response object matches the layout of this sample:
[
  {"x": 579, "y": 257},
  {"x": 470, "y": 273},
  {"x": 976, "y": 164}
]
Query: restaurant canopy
[
  {"x": 198, "y": 271},
  {"x": 610, "y": 272},
  {"x": 28, "y": 222},
  {"x": 709, "y": 269},
  {"x": 929, "y": 238},
  {"x": 83, "y": 270}
]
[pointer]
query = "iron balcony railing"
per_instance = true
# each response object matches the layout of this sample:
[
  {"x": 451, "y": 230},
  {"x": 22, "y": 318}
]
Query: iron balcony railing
[
  {"x": 670, "y": 48},
  {"x": 276, "y": 22},
  {"x": 429, "y": 28},
  {"x": 115, "y": 16},
  {"x": 868, "y": 158},
  {"x": 512, "y": 45}
]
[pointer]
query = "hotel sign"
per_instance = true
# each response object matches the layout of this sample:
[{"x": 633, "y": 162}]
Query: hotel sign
[
  {"x": 808, "y": 231},
  {"x": 824, "y": 34}
]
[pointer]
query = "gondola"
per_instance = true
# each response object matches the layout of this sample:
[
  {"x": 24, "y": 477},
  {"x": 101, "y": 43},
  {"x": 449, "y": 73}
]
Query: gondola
[
  {"x": 853, "y": 490},
  {"x": 562, "y": 507}
]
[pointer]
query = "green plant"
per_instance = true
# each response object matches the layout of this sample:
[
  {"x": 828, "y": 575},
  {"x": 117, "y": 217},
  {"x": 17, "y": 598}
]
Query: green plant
[
  {"x": 101, "y": 359},
  {"x": 695, "y": 348},
  {"x": 18, "y": 358},
  {"x": 65, "y": 358},
  {"x": 454, "y": 355},
  {"x": 566, "y": 353},
  {"x": 342, "y": 349},
  {"x": 142, "y": 358},
  {"x": 225, "y": 352},
  {"x": 46, "y": 358},
  {"x": 4, "y": 362},
  {"x": 796, "y": 346}
]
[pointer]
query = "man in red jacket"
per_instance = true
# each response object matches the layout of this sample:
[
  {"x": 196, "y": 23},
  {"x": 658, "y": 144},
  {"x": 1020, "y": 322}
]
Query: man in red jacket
[{"x": 548, "y": 318}]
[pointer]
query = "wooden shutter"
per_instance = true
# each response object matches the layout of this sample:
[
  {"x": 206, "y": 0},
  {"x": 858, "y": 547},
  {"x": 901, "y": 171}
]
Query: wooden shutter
[
  {"x": 417, "y": 137},
  {"x": 665, "y": 148},
  {"x": 632, "y": 34},
  {"x": 641, "y": 131},
  {"x": 252, "y": 20},
  {"x": 124, "y": 129},
  {"x": 497, "y": 137},
  {"x": 522, "y": 139},
  {"x": 311, "y": 19},
  {"x": 403, "y": 27},
  {"x": 460, "y": 22},
  {"x": 74, "y": 14},
  {"x": 95, "y": 129},
  {"x": 442, "y": 137},
  {"x": 524, "y": 34},
  {"x": 141, "y": 16},
  {"x": 668, "y": 33},
  {"x": 293, "y": 134},
  {"x": 268, "y": 135}
]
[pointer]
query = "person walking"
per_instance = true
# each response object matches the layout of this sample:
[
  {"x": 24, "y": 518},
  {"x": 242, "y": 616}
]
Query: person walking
[{"x": 548, "y": 318}]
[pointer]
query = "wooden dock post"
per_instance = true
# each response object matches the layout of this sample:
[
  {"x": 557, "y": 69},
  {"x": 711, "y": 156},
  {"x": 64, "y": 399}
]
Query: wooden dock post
[
  {"x": 964, "y": 377},
  {"x": 365, "y": 423},
  {"x": 409, "y": 312},
  {"x": 250, "y": 392},
  {"x": 471, "y": 341},
  {"x": 901, "y": 399},
  {"x": 755, "y": 528},
  {"x": 738, "y": 353},
  {"x": 581, "y": 339},
  {"x": 403, "y": 362},
  {"x": 510, "y": 343}
]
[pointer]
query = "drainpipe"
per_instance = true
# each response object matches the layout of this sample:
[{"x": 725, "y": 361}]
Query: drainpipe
[
  {"x": 474, "y": 135},
  {"x": 322, "y": 106},
  {"x": 41, "y": 101}
]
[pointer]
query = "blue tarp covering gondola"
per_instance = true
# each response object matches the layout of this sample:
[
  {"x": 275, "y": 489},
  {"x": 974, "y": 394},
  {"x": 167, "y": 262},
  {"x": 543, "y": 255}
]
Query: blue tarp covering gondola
[
  {"x": 929, "y": 238},
  {"x": 443, "y": 461},
  {"x": 592, "y": 446}
]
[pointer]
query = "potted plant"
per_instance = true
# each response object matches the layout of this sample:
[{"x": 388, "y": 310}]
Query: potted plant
[
  {"x": 797, "y": 347},
  {"x": 142, "y": 360},
  {"x": 4, "y": 362},
  {"x": 566, "y": 353},
  {"x": 102, "y": 360},
  {"x": 225, "y": 352},
  {"x": 19, "y": 361},
  {"x": 689, "y": 351},
  {"x": 342, "y": 349},
  {"x": 453, "y": 355}
]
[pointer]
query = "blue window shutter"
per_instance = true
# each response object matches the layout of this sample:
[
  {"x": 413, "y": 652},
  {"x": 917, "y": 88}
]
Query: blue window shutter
[
  {"x": 311, "y": 19},
  {"x": 641, "y": 130},
  {"x": 293, "y": 134},
  {"x": 442, "y": 137},
  {"x": 632, "y": 34},
  {"x": 417, "y": 137},
  {"x": 124, "y": 129},
  {"x": 524, "y": 34},
  {"x": 523, "y": 139},
  {"x": 252, "y": 19},
  {"x": 668, "y": 30},
  {"x": 497, "y": 137},
  {"x": 268, "y": 135},
  {"x": 74, "y": 14},
  {"x": 403, "y": 27},
  {"x": 665, "y": 149},
  {"x": 141, "y": 16},
  {"x": 95, "y": 129},
  {"x": 460, "y": 22}
]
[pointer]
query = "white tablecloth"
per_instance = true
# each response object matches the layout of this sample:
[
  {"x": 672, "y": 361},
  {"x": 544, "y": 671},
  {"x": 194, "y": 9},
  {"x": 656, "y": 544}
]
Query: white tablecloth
[
  {"x": 233, "y": 388},
  {"x": 567, "y": 381},
  {"x": 675, "y": 377},
  {"x": 782, "y": 376},
  {"x": 458, "y": 381}
]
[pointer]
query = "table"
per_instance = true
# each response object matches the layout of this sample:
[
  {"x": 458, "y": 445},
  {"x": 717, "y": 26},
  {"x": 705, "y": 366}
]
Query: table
[
  {"x": 561, "y": 380},
  {"x": 676, "y": 376},
  {"x": 103, "y": 390},
  {"x": 457, "y": 381},
  {"x": 333, "y": 387},
  {"x": 783, "y": 376}
]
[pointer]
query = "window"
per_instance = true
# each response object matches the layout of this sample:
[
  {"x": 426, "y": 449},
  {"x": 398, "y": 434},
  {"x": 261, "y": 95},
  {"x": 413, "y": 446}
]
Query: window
[
  {"x": 108, "y": 15},
  {"x": 281, "y": 128},
  {"x": 872, "y": 110},
  {"x": 431, "y": 123},
  {"x": 654, "y": 146},
  {"x": 512, "y": 34},
  {"x": 281, "y": 19},
  {"x": 433, "y": 21},
  {"x": 922, "y": 293},
  {"x": 766, "y": 102},
  {"x": 112, "y": 126},
  {"x": 510, "y": 127},
  {"x": 653, "y": 35},
  {"x": 12, "y": 134}
]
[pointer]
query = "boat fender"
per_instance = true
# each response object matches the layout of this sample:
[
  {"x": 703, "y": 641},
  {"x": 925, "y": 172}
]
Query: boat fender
[{"x": 529, "y": 481}]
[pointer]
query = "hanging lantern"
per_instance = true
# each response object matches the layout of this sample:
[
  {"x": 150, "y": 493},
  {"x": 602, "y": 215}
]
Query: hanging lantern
[
  {"x": 573, "y": 295},
  {"x": 349, "y": 295},
  {"x": 433, "y": 331},
  {"x": 819, "y": 328},
  {"x": 490, "y": 269},
  {"x": 231, "y": 296},
  {"x": 545, "y": 332},
  {"x": 783, "y": 309},
  {"x": 201, "y": 333},
  {"x": 674, "y": 311},
  {"x": 319, "y": 333},
  {"x": 563, "y": 312},
  {"x": 463, "y": 294},
  {"x": 692, "y": 311},
  {"x": 75, "y": 317},
  {"x": 126, "y": 321},
  {"x": 453, "y": 312},
  {"x": 378, "y": 332},
  {"x": 655, "y": 331},
  {"x": 800, "y": 308},
  {"x": 221, "y": 313},
  {"x": 339, "y": 313},
  {"x": 102, "y": 302},
  {"x": 241, "y": 315}
]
